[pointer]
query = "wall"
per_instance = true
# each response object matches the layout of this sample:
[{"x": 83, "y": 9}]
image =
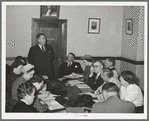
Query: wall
[
  {"x": 132, "y": 46},
  {"x": 80, "y": 42},
  {"x": 18, "y": 29},
  {"x": 112, "y": 40}
]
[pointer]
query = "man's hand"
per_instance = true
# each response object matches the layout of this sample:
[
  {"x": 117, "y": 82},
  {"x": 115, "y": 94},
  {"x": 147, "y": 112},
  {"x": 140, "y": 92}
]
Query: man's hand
[{"x": 92, "y": 71}]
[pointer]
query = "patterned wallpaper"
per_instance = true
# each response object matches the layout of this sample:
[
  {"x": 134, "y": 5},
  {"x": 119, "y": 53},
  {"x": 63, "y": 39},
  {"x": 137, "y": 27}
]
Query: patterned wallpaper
[{"x": 129, "y": 45}]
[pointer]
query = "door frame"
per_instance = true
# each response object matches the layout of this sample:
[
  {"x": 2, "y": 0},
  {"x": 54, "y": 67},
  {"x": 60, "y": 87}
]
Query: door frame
[{"x": 61, "y": 24}]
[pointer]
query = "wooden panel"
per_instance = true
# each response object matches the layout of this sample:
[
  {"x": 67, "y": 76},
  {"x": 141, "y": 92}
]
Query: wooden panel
[
  {"x": 100, "y": 58},
  {"x": 51, "y": 34}
]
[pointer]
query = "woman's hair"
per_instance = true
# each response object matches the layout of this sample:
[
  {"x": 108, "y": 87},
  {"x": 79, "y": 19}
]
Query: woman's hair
[
  {"x": 89, "y": 60},
  {"x": 30, "y": 70},
  {"x": 36, "y": 78},
  {"x": 108, "y": 73},
  {"x": 15, "y": 64},
  {"x": 25, "y": 88},
  {"x": 128, "y": 76},
  {"x": 21, "y": 58}
]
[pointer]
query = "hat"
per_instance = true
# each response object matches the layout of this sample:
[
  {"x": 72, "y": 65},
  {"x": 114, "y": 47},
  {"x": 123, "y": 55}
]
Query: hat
[
  {"x": 88, "y": 57},
  {"x": 27, "y": 67}
]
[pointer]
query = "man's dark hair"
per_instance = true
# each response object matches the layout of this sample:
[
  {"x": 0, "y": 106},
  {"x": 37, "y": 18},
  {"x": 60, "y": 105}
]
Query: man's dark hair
[
  {"x": 15, "y": 64},
  {"x": 21, "y": 58},
  {"x": 25, "y": 88},
  {"x": 38, "y": 35},
  {"x": 128, "y": 77},
  {"x": 36, "y": 79},
  {"x": 108, "y": 73},
  {"x": 111, "y": 60},
  {"x": 72, "y": 54},
  {"x": 110, "y": 87}
]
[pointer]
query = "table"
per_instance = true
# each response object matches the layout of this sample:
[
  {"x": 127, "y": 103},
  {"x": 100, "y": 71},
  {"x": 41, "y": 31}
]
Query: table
[{"x": 74, "y": 88}]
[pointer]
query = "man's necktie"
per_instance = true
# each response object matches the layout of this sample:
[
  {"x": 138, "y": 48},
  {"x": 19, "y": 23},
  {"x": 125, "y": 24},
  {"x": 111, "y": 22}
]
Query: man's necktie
[
  {"x": 69, "y": 64},
  {"x": 43, "y": 49}
]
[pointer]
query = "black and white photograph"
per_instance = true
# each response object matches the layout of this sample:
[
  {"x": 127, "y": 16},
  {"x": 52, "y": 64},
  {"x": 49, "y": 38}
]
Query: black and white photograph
[{"x": 74, "y": 60}]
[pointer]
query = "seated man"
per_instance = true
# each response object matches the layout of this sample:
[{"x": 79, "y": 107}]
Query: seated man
[
  {"x": 70, "y": 66},
  {"x": 112, "y": 103},
  {"x": 110, "y": 63},
  {"x": 25, "y": 93},
  {"x": 95, "y": 80}
]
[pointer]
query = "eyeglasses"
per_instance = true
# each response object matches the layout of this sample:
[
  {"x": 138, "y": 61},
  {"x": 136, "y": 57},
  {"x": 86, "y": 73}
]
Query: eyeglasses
[{"x": 95, "y": 66}]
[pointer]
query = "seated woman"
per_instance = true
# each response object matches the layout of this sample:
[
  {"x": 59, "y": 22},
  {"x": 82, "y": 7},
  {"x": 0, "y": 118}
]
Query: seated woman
[
  {"x": 39, "y": 104},
  {"x": 25, "y": 93},
  {"x": 15, "y": 72},
  {"x": 110, "y": 63},
  {"x": 88, "y": 61},
  {"x": 129, "y": 90},
  {"x": 107, "y": 76}
]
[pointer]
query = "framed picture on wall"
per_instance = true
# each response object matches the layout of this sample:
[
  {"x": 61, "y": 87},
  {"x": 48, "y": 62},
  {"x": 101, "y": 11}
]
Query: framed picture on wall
[
  {"x": 94, "y": 25},
  {"x": 49, "y": 11},
  {"x": 129, "y": 27}
]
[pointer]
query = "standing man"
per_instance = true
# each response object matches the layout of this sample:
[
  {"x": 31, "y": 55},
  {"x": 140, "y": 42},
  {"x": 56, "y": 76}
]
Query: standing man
[{"x": 41, "y": 56}]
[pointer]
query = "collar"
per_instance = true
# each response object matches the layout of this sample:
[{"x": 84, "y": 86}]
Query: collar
[
  {"x": 41, "y": 46},
  {"x": 24, "y": 101},
  {"x": 114, "y": 96}
]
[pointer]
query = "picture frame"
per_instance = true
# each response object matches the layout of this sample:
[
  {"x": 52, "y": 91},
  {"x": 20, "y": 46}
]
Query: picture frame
[
  {"x": 94, "y": 25},
  {"x": 49, "y": 11},
  {"x": 129, "y": 27}
]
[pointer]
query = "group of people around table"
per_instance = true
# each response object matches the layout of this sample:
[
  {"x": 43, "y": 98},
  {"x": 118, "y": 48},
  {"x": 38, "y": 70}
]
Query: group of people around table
[{"x": 25, "y": 84}]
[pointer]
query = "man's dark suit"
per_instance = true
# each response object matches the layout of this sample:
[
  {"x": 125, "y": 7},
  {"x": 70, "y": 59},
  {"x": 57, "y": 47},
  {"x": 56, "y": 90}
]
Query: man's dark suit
[
  {"x": 113, "y": 105},
  {"x": 74, "y": 68},
  {"x": 42, "y": 60},
  {"x": 95, "y": 83}
]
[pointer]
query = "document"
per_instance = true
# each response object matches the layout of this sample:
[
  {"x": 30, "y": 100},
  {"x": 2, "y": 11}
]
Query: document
[
  {"x": 54, "y": 105},
  {"x": 89, "y": 93},
  {"x": 74, "y": 82},
  {"x": 84, "y": 88}
]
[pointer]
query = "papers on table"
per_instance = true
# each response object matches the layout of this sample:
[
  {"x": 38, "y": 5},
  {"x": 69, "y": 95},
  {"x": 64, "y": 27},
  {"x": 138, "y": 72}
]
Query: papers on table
[
  {"x": 74, "y": 82},
  {"x": 54, "y": 105},
  {"x": 73, "y": 76},
  {"x": 89, "y": 93},
  {"x": 61, "y": 79},
  {"x": 45, "y": 77},
  {"x": 84, "y": 88}
]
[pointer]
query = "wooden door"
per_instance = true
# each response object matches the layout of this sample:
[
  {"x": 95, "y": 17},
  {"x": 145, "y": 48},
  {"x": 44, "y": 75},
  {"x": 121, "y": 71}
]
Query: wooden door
[{"x": 56, "y": 33}]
